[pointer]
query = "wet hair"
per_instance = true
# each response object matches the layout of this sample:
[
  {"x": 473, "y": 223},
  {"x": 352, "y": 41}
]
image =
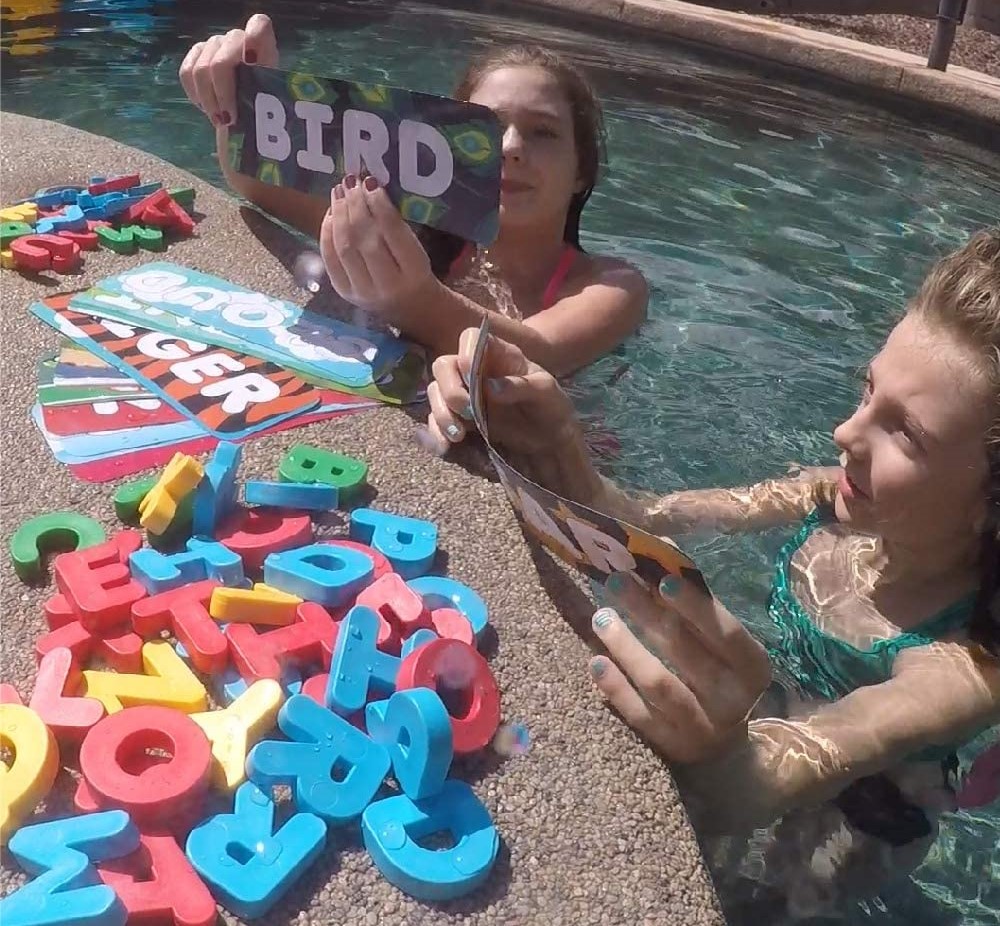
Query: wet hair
[
  {"x": 962, "y": 295},
  {"x": 588, "y": 136}
]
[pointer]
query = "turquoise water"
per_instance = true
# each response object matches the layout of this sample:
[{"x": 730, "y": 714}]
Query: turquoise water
[{"x": 780, "y": 229}]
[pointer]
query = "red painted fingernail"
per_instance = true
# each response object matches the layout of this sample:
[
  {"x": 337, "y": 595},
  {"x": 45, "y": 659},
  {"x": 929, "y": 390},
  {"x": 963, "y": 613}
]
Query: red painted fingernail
[
  {"x": 217, "y": 119},
  {"x": 250, "y": 56},
  {"x": 350, "y": 182},
  {"x": 338, "y": 192},
  {"x": 371, "y": 183},
  {"x": 225, "y": 117}
]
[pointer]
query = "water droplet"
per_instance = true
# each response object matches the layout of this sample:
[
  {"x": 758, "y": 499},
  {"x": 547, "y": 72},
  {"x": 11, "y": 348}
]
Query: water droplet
[
  {"x": 309, "y": 271},
  {"x": 512, "y": 739}
]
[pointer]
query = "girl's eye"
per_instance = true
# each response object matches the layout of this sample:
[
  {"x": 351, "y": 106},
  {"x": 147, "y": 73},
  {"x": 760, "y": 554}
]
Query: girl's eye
[
  {"x": 909, "y": 438},
  {"x": 544, "y": 132},
  {"x": 866, "y": 391}
]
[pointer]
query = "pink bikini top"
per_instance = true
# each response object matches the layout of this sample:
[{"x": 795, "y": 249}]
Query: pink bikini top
[{"x": 563, "y": 267}]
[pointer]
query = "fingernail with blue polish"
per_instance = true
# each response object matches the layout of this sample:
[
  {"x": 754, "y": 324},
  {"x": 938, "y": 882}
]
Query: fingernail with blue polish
[
  {"x": 603, "y": 618},
  {"x": 670, "y": 586},
  {"x": 598, "y": 667},
  {"x": 466, "y": 413},
  {"x": 496, "y": 386},
  {"x": 453, "y": 431}
]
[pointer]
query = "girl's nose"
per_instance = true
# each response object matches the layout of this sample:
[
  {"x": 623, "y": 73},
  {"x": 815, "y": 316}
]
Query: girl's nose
[
  {"x": 849, "y": 436},
  {"x": 512, "y": 142}
]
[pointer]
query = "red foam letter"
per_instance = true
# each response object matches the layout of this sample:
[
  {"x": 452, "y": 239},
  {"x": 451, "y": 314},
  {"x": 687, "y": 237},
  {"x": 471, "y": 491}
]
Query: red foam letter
[
  {"x": 157, "y": 884},
  {"x": 97, "y": 582},
  {"x": 462, "y": 677},
  {"x": 184, "y": 611},
  {"x": 309, "y": 640}
]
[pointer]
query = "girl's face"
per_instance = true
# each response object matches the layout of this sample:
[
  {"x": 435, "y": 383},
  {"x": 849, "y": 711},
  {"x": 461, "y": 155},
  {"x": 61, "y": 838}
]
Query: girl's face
[
  {"x": 915, "y": 466},
  {"x": 540, "y": 164}
]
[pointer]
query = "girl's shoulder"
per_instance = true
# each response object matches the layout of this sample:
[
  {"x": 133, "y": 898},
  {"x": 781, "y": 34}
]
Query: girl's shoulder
[{"x": 603, "y": 270}]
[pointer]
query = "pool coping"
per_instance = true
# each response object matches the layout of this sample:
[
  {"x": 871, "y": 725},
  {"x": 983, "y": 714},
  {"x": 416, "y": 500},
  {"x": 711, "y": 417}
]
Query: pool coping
[{"x": 888, "y": 71}]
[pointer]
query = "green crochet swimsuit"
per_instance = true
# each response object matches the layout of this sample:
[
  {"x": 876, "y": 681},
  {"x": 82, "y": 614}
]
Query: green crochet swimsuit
[{"x": 823, "y": 665}]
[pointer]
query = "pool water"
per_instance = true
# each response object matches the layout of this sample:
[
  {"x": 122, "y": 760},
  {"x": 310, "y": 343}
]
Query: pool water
[{"x": 780, "y": 229}]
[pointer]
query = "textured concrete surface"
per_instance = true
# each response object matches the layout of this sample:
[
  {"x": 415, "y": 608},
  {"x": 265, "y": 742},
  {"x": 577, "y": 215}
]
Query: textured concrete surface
[
  {"x": 591, "y": 826},
  {"x": 887, "y": 70},
  {"x": 974, "y": 48}
]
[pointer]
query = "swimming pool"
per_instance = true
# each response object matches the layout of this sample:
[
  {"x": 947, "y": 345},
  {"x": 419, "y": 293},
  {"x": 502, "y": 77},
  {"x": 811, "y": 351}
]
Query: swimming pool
[{"x": 780, "y": 229}]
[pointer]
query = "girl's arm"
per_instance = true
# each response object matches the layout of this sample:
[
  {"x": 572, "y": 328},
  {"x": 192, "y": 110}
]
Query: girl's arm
[
  {"x": 939, "y": 695},
  {"x": 375, "y": 260},
  {"x": 568, "y": 335},
  {"x": 533, "y": 424},
  {"x": 772, "y": 503},
  {"x": 299, "y": 210}
]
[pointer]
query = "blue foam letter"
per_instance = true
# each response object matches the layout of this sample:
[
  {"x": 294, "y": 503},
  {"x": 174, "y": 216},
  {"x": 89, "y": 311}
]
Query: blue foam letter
[
  {"x": 393, "y": 826},
  {"x": 414, "y": 725},
  {"x": 333, "y": 768},
  {"x": 408, "y": 543},
  {"x": 415, "y": 640},
  {"x": 248, "y": 865},
  {"x": 358, "y": 663},
  {"x": 67, "y": 890},
  {"x": 302, "y": 496},
  {"x": 320, "y": 572},
  {"x": 215, "y": 496},
  {"x": 441, "y": 592},
  {"x": 203, "y": 559}
]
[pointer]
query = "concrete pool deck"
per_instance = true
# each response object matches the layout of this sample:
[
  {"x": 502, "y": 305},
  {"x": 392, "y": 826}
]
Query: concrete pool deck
[
  {"x": 885, "y": 70},
  {"x": 591, "y": 825}
]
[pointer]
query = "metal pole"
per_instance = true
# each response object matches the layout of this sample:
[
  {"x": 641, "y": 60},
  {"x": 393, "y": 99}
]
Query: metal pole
[{"x": 950, "y": 13}]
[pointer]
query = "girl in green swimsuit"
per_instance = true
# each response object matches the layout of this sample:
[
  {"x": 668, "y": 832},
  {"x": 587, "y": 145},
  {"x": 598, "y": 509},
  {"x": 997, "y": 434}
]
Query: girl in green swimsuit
[{"x": 885, "y": 604}]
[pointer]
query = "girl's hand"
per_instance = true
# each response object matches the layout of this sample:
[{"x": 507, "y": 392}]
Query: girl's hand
[
  {"x": 208, "y": 71},
  {"x": 373, "y": 258},
  {"x": 528, "y": 412},
  {"x": 699, "y": 708}
]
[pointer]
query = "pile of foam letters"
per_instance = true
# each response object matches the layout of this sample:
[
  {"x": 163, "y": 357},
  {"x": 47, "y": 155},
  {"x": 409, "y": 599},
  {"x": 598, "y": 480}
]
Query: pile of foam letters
[
  {"x": 366, "y": 662},
  {"x": 50, "y": 230}
]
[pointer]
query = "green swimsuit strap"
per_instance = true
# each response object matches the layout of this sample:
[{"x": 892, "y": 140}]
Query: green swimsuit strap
[{"x": 950, "y": 619}]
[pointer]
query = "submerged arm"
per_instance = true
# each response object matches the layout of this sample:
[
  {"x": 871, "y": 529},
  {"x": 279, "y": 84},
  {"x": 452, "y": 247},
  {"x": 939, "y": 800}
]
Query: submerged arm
[
  {"x": 939, "y": 695},
  {"x": 751, "y": 508},
  {"x": 568, "y": 335},
  {"x": 567, "y": 470}
]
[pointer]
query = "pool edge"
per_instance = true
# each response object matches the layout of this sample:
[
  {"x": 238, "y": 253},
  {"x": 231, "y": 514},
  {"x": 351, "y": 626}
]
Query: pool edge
[{"x": 887, "y": 71}]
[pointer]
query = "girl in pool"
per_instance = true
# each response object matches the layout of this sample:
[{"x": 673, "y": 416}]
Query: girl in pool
[
  {"x": 568, "y": 307},
  {"x": 885, "y": 603}
]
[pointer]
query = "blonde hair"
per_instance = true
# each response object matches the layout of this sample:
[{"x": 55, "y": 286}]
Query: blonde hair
[{"x": 962, "y": 295}]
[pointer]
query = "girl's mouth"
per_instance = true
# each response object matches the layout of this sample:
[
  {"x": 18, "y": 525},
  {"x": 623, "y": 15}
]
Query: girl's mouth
[
  {"x": 848, "y": 488},
  {"x": 514, "y": 186}
]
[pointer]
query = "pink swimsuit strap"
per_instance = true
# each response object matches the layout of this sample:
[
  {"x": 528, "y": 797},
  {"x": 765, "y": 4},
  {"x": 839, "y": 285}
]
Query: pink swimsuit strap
[
  {"x": 563, "y": 267},
  {"x": 559, "y": 275}
]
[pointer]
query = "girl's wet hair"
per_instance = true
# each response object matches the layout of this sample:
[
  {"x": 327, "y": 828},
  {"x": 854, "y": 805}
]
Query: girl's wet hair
[
  {"x": 962, "y": 294},
  {"x": 588, "y": 135}
]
